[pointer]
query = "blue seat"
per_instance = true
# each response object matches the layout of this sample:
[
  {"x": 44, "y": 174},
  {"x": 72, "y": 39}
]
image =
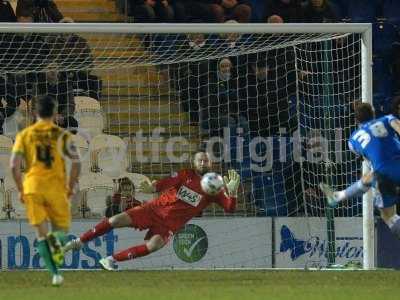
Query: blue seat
[
  {"x": 269, "y": 194},
  {"x": 361, "y": 10},
  {"x": 382, "y": 76},
  {"x": 384, "y": 35},
  {"x": 391, "y": 11}
]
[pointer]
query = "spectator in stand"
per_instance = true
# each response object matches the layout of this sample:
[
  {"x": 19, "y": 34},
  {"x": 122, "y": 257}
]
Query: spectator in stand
[
  {"x": 56, "y": 83},
  {"x": 7, "y": 12},
  {"x": 271, "y": 85},
  {"x": 49, "y": 80},
  {"x": 28, "y": 50},
  {"x": 123, "y": 199},
  {"x": 6, "y": 15},
  {"x": 191, "y": 75},
  {"x": 219, "y": 99},
  {"x": 150, "y": 11},
  {"x": 274, "y": 19},
  {"x": 218, "y": 10},
  {"x": 44, "y": 11},
  {"x": 238, "y": 10},
  {"x": 74, "y": 51},
  {"x": 291, "y": 11},
  {"x": 319, "y": 11}
]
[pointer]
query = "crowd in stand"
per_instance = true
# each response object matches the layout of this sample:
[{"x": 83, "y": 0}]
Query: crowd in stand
[
  {"x": 219, "y": 11},
  {"x": 40, "y": 52}
]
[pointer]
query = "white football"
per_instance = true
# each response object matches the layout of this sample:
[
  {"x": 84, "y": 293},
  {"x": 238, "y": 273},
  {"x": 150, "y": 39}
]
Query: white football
[{"x": 212, "y": 183}]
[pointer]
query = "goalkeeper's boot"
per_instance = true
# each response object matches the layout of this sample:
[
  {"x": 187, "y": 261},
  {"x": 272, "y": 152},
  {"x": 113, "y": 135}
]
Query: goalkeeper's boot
[
  {"x": 56, "y": 250},
  {"x": 329, "y": 194},
  {"x": 108, "y": 264},
  {"x": 75, "y": 244},
  {"x": 57, "y": 280}
]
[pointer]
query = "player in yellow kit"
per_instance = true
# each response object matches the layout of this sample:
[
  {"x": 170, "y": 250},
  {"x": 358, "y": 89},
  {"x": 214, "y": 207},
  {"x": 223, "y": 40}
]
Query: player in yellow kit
[{"x": 44, "y": 189}]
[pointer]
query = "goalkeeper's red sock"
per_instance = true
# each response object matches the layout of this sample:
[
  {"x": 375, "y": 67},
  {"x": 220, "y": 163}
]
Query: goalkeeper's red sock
[
  {"x": 99, "y": 229},
  {"x": 131, "y": 253}
]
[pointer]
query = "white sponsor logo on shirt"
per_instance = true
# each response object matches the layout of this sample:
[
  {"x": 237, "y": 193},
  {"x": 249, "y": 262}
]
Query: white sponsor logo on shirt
[{"x": 189, "y": 196}]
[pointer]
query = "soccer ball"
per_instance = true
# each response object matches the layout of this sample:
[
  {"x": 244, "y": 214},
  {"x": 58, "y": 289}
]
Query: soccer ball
[{"x": 212, "y": 183}]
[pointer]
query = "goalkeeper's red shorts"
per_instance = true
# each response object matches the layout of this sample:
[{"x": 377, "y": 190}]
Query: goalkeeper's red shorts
[{"x": 142, "y": 217}]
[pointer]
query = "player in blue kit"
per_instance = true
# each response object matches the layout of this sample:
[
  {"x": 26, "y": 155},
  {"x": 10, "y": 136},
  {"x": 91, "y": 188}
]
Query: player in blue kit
[{"x": 377, "y": 141}]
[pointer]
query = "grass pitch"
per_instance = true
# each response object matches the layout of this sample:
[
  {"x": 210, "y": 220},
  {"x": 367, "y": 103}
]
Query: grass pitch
[{"x": 193, "y": 285}]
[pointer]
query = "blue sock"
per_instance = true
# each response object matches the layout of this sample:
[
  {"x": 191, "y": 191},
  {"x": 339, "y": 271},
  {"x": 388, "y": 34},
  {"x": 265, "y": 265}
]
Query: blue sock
[{"x": 356, "y": 189}]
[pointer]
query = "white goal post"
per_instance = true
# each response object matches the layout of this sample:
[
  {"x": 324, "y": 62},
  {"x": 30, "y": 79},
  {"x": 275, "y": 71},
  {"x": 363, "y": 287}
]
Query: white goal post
[{"x": 261, "y": 37}]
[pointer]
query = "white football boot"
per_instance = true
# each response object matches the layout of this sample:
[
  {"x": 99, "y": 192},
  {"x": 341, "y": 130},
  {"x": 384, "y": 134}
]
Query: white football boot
[
  {"x": 330, "y": 195},
  {"x": 57, "y": 280},
  {"x": 107, "y": 263},
  {"x": 75, "y": 244}
]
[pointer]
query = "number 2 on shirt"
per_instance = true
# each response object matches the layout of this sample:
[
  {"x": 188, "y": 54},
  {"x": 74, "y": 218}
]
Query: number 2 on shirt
[{"x": 377, "y": 129}]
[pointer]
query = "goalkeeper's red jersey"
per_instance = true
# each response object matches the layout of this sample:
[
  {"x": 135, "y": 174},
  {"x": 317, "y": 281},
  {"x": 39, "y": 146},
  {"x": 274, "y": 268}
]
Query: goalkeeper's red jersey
[{"x": 182, "y": 199}]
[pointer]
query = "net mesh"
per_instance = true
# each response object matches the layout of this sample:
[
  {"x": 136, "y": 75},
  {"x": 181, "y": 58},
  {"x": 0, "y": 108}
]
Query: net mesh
[{"x": 276, "y": 107}]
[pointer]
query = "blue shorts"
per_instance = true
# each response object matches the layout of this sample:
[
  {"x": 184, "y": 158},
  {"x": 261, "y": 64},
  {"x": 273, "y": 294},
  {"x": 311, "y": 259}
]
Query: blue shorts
[
  {"x": 384, "y": 201},
  {"x": 387, "y": 185}
]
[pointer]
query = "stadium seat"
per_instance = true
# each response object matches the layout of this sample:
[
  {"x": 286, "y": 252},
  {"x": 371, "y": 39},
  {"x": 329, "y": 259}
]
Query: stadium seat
[
  {"x": 12, "y": 196},
  {"x": 89, "y": 115},
  {"x": 83, "y": 146},
  {"x": 382, "y": 86},
  {"x": 385, "y": 35},
  {"x": 391, "y": 11},
  {"x": 17, "y": 121},
  {"x": 361, "y": 10},
  {"x": 86, "y": 104},
  {"x": 269, "y": 195},
  {"x": 6, "y": 145},
  {"x": 94, "y": 189},
  {"x": 108, "y": 155}
]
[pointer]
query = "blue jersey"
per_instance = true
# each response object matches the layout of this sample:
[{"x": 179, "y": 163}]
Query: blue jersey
[{"x": 378, "y": 142}]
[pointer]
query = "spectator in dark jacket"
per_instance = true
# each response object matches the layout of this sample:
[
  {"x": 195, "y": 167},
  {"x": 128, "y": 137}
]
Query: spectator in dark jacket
[
  {"x": 150, "y": 11},
  {"x": 319, "y": 11},
  {"x": 6, "y": 15},
  {"x": 75, "y": 53},
  {"x": 218, "y": 10},
  {"x": 6, "y": 12},
  {"x": 58, "y": 85},
  {"x": 238, "y": 10},
  {"x": 219, "y": 99},
  {"x": 20, "y": 52},
  {"x": 290, "y": 11},
  {"x": 191, "y": 75},
  {"x": 45, "y": 11}
]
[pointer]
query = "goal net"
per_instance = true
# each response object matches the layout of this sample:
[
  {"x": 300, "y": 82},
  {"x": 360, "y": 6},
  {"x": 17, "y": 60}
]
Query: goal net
[{"x": 274, "y": 103}]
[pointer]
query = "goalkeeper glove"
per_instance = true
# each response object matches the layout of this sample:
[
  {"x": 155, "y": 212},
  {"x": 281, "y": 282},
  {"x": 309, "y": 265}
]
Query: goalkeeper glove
[
  {"x": 147, "y": 187},
  {"x": 232, "y": 182}
]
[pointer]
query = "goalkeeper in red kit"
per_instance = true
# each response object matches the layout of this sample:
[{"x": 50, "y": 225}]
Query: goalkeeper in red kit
[{"x": 180, "y": 200}]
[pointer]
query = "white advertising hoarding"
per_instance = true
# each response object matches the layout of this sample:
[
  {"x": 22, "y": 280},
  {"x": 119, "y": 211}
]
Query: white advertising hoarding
[
  {"x": 304, "y": 241},
  {"x": 204, "y": 243}
]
